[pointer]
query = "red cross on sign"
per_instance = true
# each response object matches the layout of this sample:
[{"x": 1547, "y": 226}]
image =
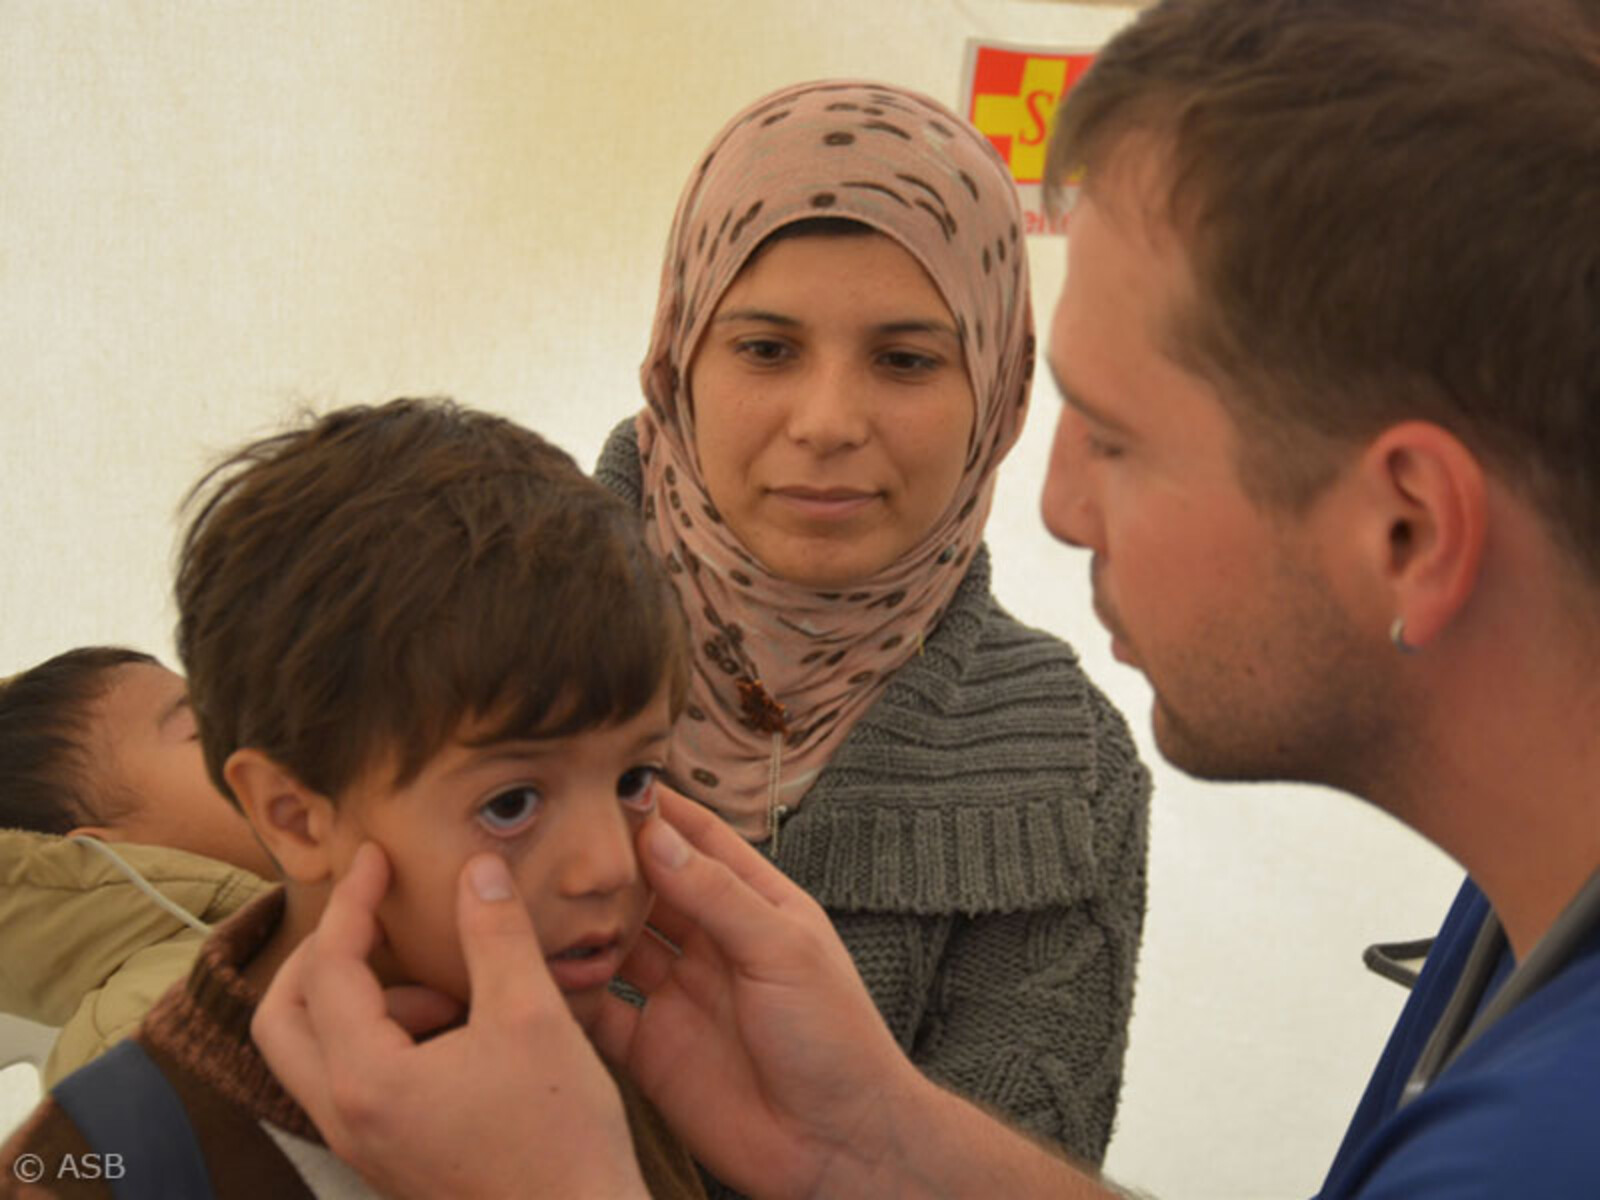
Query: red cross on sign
[{"x": 1011, "y": 96}]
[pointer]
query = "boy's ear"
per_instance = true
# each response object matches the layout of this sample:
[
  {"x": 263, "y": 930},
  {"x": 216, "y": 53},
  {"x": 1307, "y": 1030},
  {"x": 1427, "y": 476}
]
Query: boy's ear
[
  {"x": 294, "y": 822},
  {"x": 1434, "y": 501}
]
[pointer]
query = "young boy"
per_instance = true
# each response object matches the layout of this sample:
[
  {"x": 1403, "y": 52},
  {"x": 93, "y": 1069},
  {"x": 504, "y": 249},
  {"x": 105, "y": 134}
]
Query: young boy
[
  {"x": 100, "y": 741},
  {"x": 422, "y": 627}
]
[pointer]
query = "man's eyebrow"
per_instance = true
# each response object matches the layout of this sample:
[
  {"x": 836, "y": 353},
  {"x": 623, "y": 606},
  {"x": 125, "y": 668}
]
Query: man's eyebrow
[{"x": 1074, "y": 399}]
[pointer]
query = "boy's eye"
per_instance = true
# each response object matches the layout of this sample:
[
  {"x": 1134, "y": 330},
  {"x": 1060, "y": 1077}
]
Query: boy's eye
[
  {"x": 509, "y": 811},
  {"x": 637, "y": 788}
]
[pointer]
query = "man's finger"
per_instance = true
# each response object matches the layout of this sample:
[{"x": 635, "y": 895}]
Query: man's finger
[
  {"x": 349, "y": 924},
  {"x": 505, "y": 964},
  {"x": 282, "y": 1029},
  {"x": 648, "y": 962},
  {"x": 343, "y": 1000},
  {"x": 667, "y": 921},
  {"x": 614, "y": 1028},
  {"x": 706, "y": 892},
  {"x": 713, "y": 836},
  {"x": 421, "y": 1010}
]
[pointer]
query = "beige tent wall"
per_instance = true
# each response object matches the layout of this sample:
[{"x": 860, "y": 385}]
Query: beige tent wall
[{"x": 214, "y": 213}]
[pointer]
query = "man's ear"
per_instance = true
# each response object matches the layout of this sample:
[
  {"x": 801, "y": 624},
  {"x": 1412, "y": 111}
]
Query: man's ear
[
  {"x": 1434, "y": 499},
  {"x": 294, "y": 822}
]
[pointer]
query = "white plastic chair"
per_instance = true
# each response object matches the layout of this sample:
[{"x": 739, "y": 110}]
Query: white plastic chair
[
  {"x": 24, "y": 1045},
  {"x": 24, "y": 1041}
]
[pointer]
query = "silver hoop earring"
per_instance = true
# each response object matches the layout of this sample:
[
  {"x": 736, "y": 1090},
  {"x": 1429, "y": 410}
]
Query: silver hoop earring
[{"x": 1397, "y": 635}]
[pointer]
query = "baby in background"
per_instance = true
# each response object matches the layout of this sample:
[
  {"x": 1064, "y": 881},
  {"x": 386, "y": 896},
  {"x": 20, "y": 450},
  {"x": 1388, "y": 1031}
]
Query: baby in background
[{"x": 98, "y": 743}]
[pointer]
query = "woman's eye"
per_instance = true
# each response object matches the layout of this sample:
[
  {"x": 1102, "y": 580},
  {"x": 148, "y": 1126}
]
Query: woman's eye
[
  {"x": 509, "y": 811},
  {"x": 908, "y": 362},
  {"x": 637, "y": 788},
  {"x": 763, "y": 352}
]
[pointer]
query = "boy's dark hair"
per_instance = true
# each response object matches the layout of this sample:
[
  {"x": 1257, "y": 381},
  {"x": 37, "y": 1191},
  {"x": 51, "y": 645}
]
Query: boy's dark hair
[
  {"x": 351, "y": 591},
  {"x": 46, "y": 782},
  {"x": 1391, "y": 209}
]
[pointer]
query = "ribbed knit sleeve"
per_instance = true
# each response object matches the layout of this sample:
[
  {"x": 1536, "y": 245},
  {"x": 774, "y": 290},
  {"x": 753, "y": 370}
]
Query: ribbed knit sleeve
[
  {"x": 980, "y": 842},
  {"x": 618, "y": 466},
  {"x": 1028, "y": 1011}
]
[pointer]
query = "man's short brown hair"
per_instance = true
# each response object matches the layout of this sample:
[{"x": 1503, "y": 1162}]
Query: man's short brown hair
[
  {"x": 1392, "y": 210},
  {"x": 350, "y": 592}
]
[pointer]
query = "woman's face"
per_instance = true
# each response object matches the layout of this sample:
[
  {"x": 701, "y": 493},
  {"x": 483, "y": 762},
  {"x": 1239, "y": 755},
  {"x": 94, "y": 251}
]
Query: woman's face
[{"x": 832, "y": 407}]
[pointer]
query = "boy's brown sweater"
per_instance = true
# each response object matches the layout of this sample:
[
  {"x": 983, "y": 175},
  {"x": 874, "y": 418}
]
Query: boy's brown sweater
[{"x": 198, "y": 1034}]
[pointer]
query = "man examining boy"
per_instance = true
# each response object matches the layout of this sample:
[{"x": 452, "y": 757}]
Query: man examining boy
[
  {"x": 424, "y": 628},
  {"x": 1332, "y": 429}
]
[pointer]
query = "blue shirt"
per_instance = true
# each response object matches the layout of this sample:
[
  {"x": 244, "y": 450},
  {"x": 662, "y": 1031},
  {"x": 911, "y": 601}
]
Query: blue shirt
[{"x": 1516, "y": 1114}]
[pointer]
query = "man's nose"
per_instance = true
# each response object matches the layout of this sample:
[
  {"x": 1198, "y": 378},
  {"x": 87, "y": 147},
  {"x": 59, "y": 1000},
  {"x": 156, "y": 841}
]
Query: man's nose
[{"x": 1067, "y": 504}]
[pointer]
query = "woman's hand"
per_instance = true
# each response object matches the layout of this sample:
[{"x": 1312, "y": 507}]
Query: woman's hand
[{"x": 514, "y": 1102}]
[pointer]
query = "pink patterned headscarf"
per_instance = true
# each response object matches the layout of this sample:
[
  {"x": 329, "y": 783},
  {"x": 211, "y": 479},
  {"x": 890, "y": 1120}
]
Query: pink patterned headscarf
[{"x": 782, "y": 671}]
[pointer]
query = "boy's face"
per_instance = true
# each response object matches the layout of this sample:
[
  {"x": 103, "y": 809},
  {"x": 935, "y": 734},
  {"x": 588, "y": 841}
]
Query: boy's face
[
  {"x": 146, "y": 753},
  {"x": 561, "y": 811}
]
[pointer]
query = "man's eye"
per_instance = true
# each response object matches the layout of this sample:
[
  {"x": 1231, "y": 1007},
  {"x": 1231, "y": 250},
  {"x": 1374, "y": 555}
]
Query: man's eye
[
  {"x": 637, "y": 788},
  {"x": 1099, "y": 447},
  {"x": 511, "y": 810}
]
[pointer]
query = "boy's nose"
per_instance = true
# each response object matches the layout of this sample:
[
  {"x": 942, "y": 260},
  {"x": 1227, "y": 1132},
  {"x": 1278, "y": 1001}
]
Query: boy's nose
[{"x": 597, "y": 856}]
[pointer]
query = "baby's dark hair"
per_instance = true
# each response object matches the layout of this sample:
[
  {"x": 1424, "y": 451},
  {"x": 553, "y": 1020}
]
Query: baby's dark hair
[
  {"x": 46, "y": 782},
  {"x": 353, "y": 591}
]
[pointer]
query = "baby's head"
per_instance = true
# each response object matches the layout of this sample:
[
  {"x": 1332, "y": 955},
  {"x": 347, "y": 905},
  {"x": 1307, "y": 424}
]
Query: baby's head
[
  {"x": 426, "y": 627},
  {"x": 100, "y": 740}
]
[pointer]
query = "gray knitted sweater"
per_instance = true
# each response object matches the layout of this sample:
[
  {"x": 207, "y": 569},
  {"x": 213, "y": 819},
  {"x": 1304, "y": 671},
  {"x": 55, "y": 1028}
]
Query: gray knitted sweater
[{"x": 979, "y": 842}]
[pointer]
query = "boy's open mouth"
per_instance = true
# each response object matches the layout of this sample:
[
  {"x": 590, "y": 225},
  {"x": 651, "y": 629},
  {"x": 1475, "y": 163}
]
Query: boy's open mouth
[
  {"x": 587, "y": 963},
  {"x": 579, "y": 952}
]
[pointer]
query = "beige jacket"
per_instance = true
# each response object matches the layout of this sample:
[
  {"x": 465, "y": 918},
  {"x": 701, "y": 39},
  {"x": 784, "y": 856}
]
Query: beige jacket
[{"x": 82, "y": 947}]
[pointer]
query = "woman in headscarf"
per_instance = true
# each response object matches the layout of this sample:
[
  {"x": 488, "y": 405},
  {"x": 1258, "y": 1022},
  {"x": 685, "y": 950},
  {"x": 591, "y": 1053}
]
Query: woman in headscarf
[{"x": 840, "y": 362}]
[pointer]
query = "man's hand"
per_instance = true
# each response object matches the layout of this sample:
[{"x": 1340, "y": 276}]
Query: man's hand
[
  {"x": 513, "y": 1103},
  {"x": 759, "y": 1042}
]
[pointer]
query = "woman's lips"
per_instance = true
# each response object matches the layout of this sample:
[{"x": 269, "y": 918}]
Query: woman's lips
[
  {"x": 586, "y": 965},
  {"x": 824, "y": 504}
]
